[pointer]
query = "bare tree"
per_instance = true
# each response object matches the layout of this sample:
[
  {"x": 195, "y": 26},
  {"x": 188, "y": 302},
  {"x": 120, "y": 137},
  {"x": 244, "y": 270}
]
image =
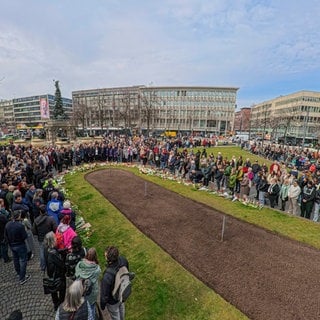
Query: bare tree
[
  {"x": 80, "y": 114},
  {"x": 149, "y": 101},
  {"x": 100, "y": 114},
  {"x": 123, "y": 108},
  {"x": 285, "y": 121}
]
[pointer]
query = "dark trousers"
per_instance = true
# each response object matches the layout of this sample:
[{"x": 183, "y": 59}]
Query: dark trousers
[
  {"x": 20, "y": 254},
  {"x": 283, "y": 204},
  {"x": 58, "y": 297},
  {"x": 306, "y": 209},
  {"x": 273, "y": 200}
]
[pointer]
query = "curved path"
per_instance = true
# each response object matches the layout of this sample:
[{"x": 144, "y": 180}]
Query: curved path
[{"x": 264, "y": 275}]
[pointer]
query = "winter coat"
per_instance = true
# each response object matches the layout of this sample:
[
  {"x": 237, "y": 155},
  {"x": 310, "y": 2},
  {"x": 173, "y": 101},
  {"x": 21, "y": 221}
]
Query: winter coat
[
  {"x": 42, "y": 225},
  {"x": 67, "y": 233},
  {"x": 53, "y": 208},
  {"x": 89, "y": 270}
]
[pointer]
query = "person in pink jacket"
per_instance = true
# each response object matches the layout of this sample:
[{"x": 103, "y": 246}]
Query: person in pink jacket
[{"x": 67, "y": 232}]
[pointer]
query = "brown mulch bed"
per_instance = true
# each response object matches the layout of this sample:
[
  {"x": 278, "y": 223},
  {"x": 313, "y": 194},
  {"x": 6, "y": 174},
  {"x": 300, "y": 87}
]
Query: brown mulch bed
[{"x": 264, "y": 275}]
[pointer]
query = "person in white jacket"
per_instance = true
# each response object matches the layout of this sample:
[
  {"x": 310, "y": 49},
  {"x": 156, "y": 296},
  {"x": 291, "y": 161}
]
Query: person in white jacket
[{"x": 293, "y": 196}]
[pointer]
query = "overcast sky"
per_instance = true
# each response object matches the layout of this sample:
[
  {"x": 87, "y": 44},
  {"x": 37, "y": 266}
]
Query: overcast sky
[{"x": 266, "y": 48}]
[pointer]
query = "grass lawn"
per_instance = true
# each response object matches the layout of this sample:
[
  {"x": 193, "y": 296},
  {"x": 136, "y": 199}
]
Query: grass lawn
[{"x": 162, "y": 288}]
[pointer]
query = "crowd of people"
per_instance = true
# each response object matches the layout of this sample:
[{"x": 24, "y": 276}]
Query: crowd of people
[{"x": 34, "y": 208}]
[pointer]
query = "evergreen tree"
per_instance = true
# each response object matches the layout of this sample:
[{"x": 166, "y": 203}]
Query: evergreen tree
[{"x": 58, "y": 111}]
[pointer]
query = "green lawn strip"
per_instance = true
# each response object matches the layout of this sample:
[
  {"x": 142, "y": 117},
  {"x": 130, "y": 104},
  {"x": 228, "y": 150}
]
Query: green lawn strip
[{"x": 163, "y": 289}]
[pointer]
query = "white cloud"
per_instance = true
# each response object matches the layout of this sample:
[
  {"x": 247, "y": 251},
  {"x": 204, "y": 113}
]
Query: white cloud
[{"x": 246, "y": 43}]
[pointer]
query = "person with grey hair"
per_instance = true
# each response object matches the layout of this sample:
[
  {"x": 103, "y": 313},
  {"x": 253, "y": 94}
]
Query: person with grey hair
[
  {"x": 55, "y": 268},
  {"x": 75, "y": 306}
]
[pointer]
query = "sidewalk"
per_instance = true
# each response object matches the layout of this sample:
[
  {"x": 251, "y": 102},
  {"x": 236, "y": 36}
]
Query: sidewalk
[{"x": 29, "y": 298}]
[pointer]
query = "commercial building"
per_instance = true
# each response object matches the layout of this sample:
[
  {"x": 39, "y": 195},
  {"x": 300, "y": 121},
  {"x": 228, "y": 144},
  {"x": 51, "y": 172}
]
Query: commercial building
[
  {"x": 30, "y": 112},
  {"x": 295, "y": 117},
  {"x": 205, "y": 110},
  {"x": 242, "y": 120}
]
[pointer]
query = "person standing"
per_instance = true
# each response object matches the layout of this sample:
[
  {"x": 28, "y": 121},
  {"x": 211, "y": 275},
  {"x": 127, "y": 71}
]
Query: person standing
[
  {"x": 307, "y": 199},
  {"x": 54, "y": 206},
  {"x": 293, "y": 196},
  {"x": 284, "y": 193},
  {"x": 316, "y": 204},
  {"x": 75, "y": 306},
  {"x": 77, "y": 253},
  {"x": 55, "y": 268},
  {"x": 273, "y": 192},
  {"x": 88, "y": 268},
  {"x": 41, "y": 226},
  {"x": 114, "y": 261},
  {"x": 15, "y": 234}
]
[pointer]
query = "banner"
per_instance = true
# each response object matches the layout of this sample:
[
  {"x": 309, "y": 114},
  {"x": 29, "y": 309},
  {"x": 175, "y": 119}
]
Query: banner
[{"x": 44, "y": 108}]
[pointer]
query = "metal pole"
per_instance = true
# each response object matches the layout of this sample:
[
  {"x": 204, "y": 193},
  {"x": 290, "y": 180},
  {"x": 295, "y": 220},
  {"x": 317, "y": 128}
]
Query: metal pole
[{"x": 223, "y": 227}]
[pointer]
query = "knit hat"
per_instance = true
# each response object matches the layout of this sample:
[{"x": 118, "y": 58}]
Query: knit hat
[{"x": 67, "y": 204}]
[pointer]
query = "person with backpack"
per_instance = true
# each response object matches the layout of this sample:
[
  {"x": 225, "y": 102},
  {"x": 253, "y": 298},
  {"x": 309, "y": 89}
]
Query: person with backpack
[
  {"x": 88, "y": 270},
  {"x": 64, "y": 234},
  {"x": 114, "y": 303}
]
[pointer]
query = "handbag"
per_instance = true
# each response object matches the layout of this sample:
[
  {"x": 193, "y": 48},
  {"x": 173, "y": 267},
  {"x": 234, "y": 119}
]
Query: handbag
[{"x": 52, "y": 285}]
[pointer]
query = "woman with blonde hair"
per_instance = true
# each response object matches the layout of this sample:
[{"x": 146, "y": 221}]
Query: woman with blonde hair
[
  {"x": 75, "y": 306},
  {"x": 89, "y": 269},
  {"x": 55, "y": 268}
]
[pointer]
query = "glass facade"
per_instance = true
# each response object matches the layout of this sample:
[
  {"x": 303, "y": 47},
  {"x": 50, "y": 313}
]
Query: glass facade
[{"x": 153, "y": 109}]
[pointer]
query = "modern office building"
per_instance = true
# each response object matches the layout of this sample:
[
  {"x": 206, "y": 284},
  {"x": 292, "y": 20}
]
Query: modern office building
[
  {"x": 295, "y": 116},
  {"x": 30, "y": 112},
  {"x": 205, "y": 110}
]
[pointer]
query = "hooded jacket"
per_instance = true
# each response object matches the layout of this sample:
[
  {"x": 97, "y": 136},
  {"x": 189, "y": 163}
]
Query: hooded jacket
[
  {"x": 89, "y": 270},
  {"x": 53, "y": 208},
  {"x": 42, "y": 225},
  {"x": 67, "y": 233}
]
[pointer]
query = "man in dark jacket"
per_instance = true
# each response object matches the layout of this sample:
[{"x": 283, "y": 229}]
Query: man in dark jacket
[
  {"x": 41, "y": 226},
  {"x": 16, "y": 234},
  {"x": 114, "y": 261},
  {"x": 18, "y": 203}
]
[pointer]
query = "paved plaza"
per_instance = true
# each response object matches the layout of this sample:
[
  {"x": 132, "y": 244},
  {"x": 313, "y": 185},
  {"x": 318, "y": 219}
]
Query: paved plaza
[{"x": 28, "y": 298}]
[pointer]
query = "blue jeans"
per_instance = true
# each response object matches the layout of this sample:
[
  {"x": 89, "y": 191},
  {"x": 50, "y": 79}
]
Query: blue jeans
[
  {"x": 19, "y": 253},
  {"x": 42, "y": 257},
  {"x": 117, "y": 311},
  {"x": 261, "y": 198}
]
